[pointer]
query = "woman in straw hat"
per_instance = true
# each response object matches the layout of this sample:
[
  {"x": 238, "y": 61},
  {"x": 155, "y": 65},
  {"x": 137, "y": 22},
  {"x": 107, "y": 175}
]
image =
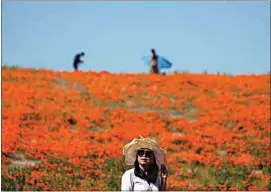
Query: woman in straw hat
[{"x": 148, "y": 158}]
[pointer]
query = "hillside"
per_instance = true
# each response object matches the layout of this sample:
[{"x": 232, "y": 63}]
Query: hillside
[{"x": 66, "y": 130}]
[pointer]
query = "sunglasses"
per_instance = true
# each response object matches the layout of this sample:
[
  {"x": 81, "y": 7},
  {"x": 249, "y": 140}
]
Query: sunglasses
[{"x": 147, "y": 153}]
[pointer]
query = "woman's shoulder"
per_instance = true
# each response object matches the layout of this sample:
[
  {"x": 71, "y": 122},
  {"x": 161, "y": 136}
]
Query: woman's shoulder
[
  {"x": 128, "y": 174},
  {"x": 129, "y": 171}
]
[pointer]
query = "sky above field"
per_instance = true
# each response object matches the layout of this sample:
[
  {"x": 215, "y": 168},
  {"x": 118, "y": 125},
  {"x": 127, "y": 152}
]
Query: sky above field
[{"x": 231, "y": 37}]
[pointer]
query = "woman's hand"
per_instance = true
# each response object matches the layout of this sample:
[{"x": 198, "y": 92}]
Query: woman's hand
[
  {"x": 164, "y": 174},
  {"x": 164, "y": 171}
]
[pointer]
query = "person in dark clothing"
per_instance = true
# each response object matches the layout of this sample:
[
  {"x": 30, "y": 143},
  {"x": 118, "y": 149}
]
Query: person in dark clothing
[
  {"x": 154, "y": 62},
  {"x": 77, "y": 60}
]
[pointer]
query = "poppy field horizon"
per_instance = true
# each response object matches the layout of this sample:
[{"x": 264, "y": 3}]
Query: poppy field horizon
[{"x": 65, "y": 131}]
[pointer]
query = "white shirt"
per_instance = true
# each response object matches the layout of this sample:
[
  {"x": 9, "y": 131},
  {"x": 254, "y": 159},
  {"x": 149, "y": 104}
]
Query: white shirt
[{"x": 130, "y": 182}]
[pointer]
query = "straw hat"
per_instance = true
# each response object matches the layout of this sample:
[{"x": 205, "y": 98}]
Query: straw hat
[{"x": 130, "y": 150}]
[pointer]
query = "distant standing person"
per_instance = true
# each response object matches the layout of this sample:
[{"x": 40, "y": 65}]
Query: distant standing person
[
  {"x": 154, "y": 62},
  {"x": 77, "y": 60}
]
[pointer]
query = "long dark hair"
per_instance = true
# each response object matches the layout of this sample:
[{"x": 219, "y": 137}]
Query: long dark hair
[{"x": 153, "y": 170}]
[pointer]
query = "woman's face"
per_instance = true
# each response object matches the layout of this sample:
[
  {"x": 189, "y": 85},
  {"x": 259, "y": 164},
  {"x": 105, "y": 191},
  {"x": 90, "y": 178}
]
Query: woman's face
[{"x": 145, "y": 156}]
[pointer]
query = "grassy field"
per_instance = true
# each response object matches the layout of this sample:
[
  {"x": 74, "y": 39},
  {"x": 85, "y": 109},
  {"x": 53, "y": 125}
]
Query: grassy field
[{"x": 65, "y": 130}]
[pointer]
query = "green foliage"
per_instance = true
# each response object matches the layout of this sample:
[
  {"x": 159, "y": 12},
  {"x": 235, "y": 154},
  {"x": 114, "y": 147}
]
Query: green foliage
[
  {"x": 14, "y": 180},
  {"x": 114, "y": 169},
  {"x": 10, "y": 66}
]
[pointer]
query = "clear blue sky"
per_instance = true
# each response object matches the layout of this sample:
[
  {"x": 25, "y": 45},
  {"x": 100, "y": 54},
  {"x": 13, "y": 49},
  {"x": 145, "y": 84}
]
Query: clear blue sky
[{"x": 232, "y": 37}]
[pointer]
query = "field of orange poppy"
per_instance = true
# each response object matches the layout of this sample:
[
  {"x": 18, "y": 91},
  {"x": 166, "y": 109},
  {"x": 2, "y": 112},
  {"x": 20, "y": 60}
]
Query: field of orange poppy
[{"x": 66, "y": 130}]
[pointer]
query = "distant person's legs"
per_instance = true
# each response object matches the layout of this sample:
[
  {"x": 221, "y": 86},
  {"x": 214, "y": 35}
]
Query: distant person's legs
[
  {"x": 154, "y": 69},
  {"x": 157, "y": 70},
  {"x": 75, "y": 66}
]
